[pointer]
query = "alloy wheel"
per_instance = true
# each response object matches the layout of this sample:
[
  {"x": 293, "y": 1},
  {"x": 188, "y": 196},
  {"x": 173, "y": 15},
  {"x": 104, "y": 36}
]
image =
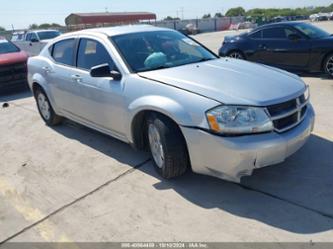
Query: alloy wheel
[
  {"x": 44, "y": 106},
  {"x": 156, "y": 146},
  {"x": 329, "y": 66},
  {"x": 236, "y": 55}
]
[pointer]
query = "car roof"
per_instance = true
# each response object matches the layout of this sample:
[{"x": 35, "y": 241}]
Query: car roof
[
  {"x": 288, "y": 23},
  {"x": 276, "y": 24},
  {"x": 120, "y": 30},
  {"x": 42, "y": 30}
]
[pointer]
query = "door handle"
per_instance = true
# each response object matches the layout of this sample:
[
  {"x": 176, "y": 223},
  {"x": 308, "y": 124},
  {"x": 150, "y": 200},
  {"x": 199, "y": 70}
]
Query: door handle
[{"x": 76, "y": 78}]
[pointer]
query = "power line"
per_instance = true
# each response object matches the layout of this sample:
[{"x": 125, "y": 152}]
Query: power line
[{"x": 182, "y": 11}]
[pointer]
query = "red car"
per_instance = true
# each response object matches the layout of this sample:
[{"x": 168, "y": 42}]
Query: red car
[{"x": 13, "y": 66}]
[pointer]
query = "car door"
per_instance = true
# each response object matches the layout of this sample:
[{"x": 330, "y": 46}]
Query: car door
[
  {"x": 33, "y": 44},
  {"x": 278, "y": 48},
  {"x": 60, "y": 75},
  {"x": 253, "y": 49},
  {"x": 101, "y": 99}
]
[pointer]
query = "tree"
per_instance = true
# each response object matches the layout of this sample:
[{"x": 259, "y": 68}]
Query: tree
[
  {"x": 170, "y": 18},
  {"x": 218, "y": 15},
  {"x": 239, "y": 11},
  {"x": 205, "y": 16},
  {"x": 44, "y": 26},
  {"x": 49, "y": 25},
  {"x": 2, "y": 29},
  {"x": 33, "y": 26}
]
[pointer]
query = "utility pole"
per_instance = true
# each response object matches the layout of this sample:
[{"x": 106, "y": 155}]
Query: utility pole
[{"x": 182, "y": 11}]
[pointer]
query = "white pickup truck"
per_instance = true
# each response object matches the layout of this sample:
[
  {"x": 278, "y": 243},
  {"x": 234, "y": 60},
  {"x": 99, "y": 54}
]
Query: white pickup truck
[{"x": 34, "y": 41}]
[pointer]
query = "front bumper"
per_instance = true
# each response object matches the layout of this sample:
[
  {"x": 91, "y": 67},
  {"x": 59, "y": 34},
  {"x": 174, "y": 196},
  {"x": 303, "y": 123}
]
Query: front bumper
[{"x": 230, "y": 158}]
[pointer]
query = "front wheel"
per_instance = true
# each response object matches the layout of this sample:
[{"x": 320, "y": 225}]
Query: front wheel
[
  {"x": 167, "y": 146},
  {"x": 236, "y": 55},
  {"x": 328, "y": 65},
  {"x": 45, "y": 109}
]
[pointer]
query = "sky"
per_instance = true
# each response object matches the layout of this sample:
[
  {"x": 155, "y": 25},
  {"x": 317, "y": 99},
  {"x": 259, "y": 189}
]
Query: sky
[{"x": 22, "y": 13}]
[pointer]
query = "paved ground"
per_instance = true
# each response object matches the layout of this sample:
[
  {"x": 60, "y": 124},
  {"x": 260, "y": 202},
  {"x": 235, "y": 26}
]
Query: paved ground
[{"x": 73, "y": 184}]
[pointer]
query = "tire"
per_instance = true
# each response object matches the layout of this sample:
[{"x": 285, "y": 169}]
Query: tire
[
  {"x": 167, "y": 146},
  {"x": 328, "y": 65},
  {"x": 236, "y": 55},
  {"x": 45, "y": 109}
]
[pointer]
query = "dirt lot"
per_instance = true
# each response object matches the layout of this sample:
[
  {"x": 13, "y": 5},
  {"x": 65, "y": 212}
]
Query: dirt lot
[{"x": 73, "y": 184}]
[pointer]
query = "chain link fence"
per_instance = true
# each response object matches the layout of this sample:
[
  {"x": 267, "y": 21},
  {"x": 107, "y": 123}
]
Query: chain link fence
[{"x": 200, "y": 25}]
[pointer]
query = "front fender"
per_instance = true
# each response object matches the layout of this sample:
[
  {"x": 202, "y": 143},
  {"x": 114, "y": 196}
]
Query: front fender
[
  {"x": 161, "y": 104},
  {"x": 167, "y": 106}
]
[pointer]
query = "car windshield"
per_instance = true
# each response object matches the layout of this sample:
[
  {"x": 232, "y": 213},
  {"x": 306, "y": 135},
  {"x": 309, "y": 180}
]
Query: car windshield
[
  {"x": 8, "y": 47},
  {"x": 148, "y": 51},
  {"x": 45, "y": 35},
  {"x": 311, "y": 31}
]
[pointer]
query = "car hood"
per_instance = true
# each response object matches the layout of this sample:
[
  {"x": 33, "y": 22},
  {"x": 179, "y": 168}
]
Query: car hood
[
  {"x": 232, "y": 81},
  {"x": 11, "y": 58}
]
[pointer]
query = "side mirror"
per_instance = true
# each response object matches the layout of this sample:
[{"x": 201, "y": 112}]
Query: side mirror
[
  {"x": 103, "y": 70},
  {"x": 294, "y": 37},
  {"x": 115, "y": 75}
]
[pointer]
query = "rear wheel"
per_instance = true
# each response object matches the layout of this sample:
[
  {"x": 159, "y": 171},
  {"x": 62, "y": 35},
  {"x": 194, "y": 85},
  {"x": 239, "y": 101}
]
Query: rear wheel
[
  {"x": 167, "y": 146},
  {"x": 45, "y": 109},
  {"x": 328, "y": 65},
  {"x": 236, "y": 55}
]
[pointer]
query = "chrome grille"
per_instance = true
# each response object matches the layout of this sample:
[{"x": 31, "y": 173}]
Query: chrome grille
[{"x": 288, "y": 114}]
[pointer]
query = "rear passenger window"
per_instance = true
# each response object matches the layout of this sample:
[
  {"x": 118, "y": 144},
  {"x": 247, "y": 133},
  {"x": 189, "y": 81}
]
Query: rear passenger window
[
  {"x": 92, "y": 53},
  {"x": 275, "y": 33},
  {"x": 63, "y": 52}
]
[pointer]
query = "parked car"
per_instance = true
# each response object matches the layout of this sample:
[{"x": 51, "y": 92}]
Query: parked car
[
  {"x": 155, "y": 88},
  {"x": 190, "y": 29},
  {"x": 294, "y": 46},
  {"x": 18, "y": 36},
  {"x": 279, "y": 19},
  {"x": 319, "y": 17},
  {"x": 13, "y": 66},
  {"x": 34, "y": 41},
  {"x": 247, "y": 25}
]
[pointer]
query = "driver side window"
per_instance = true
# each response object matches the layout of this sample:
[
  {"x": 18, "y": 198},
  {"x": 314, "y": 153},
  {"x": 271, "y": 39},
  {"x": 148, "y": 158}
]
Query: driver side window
[
  {"x": 92, "y": 53},
  {"x": 33, "y": 37},
  {"x": 28, "y": 37}
]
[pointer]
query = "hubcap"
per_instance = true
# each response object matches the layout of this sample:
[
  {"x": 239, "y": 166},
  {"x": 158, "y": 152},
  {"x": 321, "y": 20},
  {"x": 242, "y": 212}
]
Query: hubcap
[
  {"x": 236, "y": 55},
  {"x": 329, "y": 65},
  {"x": 156, "y": 145},
  {"x": 44, "y": 106}
]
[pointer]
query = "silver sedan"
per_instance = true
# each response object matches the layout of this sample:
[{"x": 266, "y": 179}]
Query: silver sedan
[{"x": 160, "y": 90}]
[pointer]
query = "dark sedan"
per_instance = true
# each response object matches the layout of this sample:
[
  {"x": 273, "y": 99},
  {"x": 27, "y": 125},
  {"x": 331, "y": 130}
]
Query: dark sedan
[
  {"x": 294, "y": 46},
  {"x": 13, "y": 66}
]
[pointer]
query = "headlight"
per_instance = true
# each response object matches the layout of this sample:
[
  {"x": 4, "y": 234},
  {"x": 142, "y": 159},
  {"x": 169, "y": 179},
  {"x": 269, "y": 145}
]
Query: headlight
[
  {"x": 307, "y": 93},
  {"x": 239, "y": 120}
]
